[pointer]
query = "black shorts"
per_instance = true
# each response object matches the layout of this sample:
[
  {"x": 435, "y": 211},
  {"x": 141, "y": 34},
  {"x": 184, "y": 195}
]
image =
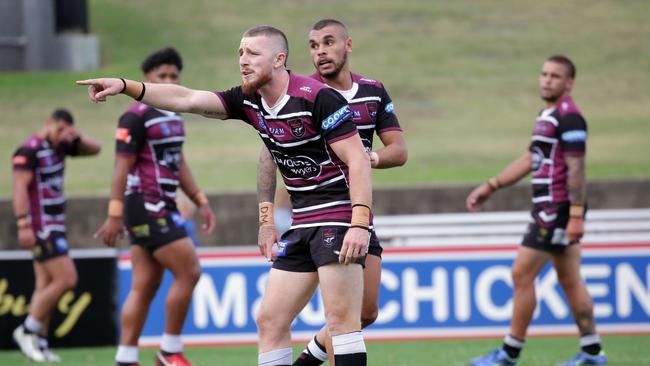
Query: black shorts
[
  {"x": 54, "y": 246},
  {"x": 547, "y": 230},
  {"x": 374, "y": 248},
  {"x": 152, "y": 229},
  {"x": 306, "y": 249}
]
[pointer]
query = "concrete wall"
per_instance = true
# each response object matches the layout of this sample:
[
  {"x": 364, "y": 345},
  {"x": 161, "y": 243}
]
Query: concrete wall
[{"x": 237, "y": 212}]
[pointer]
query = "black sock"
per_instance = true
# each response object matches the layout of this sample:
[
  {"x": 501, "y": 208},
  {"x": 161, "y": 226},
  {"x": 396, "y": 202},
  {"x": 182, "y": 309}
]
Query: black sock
[
  {"x": 512, "y": 346},
  {"x": 351, "y": 359},
  {"x": 307, "y": 358},
  {"x": 167, "y": 353},
  {"x": 592, "y": 349},
  {"x": 590, "y": 343}
]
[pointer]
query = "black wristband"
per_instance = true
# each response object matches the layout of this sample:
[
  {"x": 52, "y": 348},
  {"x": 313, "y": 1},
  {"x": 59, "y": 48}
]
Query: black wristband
[
  {"x": 123, "y": 87},
  {"x": 21, "y": 216},
  {"x": 361, "y": 204},
  {"x": 360, "y": 227},
  {"x": 139, "y": 98}
]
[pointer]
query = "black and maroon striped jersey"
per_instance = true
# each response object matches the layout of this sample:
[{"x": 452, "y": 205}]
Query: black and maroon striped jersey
[
  {"x": 156, "y": 138},
  {"x": 46, "y": 194},
  {"x": 297, "y": 132},
  {"x": 559, "y": 131},
  {"x": 371, "y": 106}
]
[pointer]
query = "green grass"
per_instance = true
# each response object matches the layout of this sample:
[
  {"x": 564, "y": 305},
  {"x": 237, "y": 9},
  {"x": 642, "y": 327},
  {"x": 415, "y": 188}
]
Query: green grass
[
  {"x": 463, "y": 76},
  {"x": 621, "y": 350}
]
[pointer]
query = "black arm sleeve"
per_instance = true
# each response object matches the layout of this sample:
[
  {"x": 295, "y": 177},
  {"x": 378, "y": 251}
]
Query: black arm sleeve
[
  {"x": 572, "y": 133},
  {"x": 24, "y": 159},
  {"x": 233, "y": 101},
  {"x": 332, "y": 114},
  {"x": 131, "y": 134}
]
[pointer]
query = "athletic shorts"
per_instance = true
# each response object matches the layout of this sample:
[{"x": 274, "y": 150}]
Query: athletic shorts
[
  {"x": 306, "y": 249},
  {"x": 374, "y": 248},
  {"x": 152, "y": 229},
  {"x": 54, "y": 246},
  {"x": 547, "y": 229}
]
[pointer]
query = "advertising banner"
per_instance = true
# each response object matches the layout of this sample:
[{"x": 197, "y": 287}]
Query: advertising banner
[
  {"x": 434, "y": 292},
  {"x": 84, "y": 316}
]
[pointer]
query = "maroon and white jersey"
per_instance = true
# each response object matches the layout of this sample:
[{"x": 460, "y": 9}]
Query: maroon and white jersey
[
  {"x": 156, "y": 138},
  {"x": 46, "y": 196},
  {"x": 559, "y": 131},
  {"x": 298, "y": 132},
  {"x": 371, "y": 106}
]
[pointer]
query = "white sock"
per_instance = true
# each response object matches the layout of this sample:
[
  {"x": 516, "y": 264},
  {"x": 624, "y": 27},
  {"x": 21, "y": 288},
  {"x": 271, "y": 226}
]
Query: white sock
[
  {"x": 588, "y": 340},
  {"x": 127, "y": 354},
  {"x": 513, "y": 342},
  {"x": 316, "y": 351},
  {"x": 32, "y": 324},
  {"x": 345, "y": 344},
  {"x": 171, "y": 343},
  {"x": 283, "y": 356}
]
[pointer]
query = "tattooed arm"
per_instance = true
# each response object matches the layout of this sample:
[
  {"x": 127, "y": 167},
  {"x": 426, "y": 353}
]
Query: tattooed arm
[{"x": 266, "y": 181}]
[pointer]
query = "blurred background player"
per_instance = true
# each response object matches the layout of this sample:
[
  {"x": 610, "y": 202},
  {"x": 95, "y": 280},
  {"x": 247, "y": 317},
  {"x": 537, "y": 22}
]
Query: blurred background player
[
  {"x": 39, "y": 207},
  {"x": 373, "y": 112},
  {"x": 149, "y": 168},
  {"x": 556, "y": 158}
]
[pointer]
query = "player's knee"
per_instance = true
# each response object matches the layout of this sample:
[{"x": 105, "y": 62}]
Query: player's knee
[
  {"x": 268, "y": 323},
  {"x": 568, "y": 281},
  {"x": 194, "y": 274},
  {"x": 368, "y": 316},
  {"x": 69, "y": 281},
  {"x": 146, "y": 292},
  {"x": 521, "y": 277}
]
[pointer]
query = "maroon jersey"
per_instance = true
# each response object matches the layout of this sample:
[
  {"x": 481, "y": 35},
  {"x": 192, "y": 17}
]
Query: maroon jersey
[
  {"x": 559, "y": 131},
  {"x": 46, "y": 196},
  {"x": 156, "y": 138},
  {"x": 371, "y": 106},
  {"x": 297, "y": 132}
]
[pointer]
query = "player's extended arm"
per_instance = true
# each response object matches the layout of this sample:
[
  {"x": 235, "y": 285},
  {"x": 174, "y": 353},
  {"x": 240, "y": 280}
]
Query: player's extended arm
[
  {"x": 21, "y": 180},
  {"x": 113, "y": 227},
  {"x": 191, "y": 189},
  {"x": 169, "y": 97},
  {"x": 509, "y": 176},
  {"x": 266, "y": 183},
  {"x": 351, "y": 151},
  {"x": 577, "y": 195},
  {"x": 394, "y": 153}
]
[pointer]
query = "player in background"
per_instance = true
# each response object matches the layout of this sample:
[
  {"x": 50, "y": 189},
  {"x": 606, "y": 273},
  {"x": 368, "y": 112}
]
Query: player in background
[
  {"x": 556, "y": 159},
  {"x": 327, "y": 172},
  {"x": 149, "y": 168},
  {"x": 330, "y": 47},
  {"x": 39, "y": 207}
]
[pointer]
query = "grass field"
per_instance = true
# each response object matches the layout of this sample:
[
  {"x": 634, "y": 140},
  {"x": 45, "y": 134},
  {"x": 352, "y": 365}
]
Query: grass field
[
  {"x": 621, "y": 350},
  {"x": 462, "y": 75}
]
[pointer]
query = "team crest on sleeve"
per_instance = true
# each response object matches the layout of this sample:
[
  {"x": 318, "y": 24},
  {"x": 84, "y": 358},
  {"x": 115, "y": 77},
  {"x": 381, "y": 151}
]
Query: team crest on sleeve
[
  {"x": 390, "y": 108},
  {"x": 329, "y": 237},
  {"x": 372, "y": 109},
  {"x": 260, "y": 120},
  {"x": 297, "y": 128}
]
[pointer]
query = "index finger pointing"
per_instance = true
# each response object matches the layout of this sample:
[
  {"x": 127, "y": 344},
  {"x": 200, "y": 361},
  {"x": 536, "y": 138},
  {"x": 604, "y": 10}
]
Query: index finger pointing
[{"x": 87, "y": 82}]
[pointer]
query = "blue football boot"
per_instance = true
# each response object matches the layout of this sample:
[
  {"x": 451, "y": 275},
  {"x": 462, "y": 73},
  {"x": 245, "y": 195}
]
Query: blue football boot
[
  {"x": 583, "y": 358},
  {"x": 498, "y": 357}
]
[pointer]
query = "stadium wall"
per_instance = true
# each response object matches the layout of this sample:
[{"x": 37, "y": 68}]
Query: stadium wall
[{"x": 237, "y": 214}]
